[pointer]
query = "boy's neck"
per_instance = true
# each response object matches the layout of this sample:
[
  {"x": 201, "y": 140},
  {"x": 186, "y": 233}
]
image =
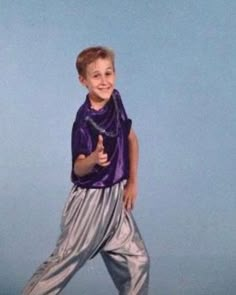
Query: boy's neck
[{"x": 97, "y": 105}]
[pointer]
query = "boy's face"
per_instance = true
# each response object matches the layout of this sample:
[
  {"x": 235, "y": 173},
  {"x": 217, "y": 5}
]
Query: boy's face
[{"x": 100, "y": 81}]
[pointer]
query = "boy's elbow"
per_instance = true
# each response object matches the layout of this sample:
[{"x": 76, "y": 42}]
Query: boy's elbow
[{"x": 76, "y": 169}]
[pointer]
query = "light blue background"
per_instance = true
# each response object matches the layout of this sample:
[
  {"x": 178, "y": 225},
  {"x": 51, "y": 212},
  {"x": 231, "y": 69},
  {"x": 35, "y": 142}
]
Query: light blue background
[{"x": 176, "y": 66}]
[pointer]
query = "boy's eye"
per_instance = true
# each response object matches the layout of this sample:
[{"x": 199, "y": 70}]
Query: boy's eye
[{"x": 97, "y": 75}]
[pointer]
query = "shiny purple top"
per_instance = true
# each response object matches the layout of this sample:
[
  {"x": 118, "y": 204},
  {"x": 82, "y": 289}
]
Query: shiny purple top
[{"x": 113, "y": 124}]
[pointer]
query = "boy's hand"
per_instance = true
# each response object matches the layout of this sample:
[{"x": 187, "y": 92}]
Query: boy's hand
[
  {"x": 101, "y": 158},
  {"x": 130, "y": 193}
]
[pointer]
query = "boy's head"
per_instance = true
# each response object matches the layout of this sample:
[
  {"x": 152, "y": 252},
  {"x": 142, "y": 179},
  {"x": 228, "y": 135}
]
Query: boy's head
[
  {"x": 96, "y": 70},
  {"x": 91, "y": 54}
]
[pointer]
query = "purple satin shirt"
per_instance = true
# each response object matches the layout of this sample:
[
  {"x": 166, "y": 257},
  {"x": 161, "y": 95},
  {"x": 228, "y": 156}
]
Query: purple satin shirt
[{"x": 113, "y": 124}]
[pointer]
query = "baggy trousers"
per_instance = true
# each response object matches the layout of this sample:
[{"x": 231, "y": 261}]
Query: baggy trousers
[{"x": 95, "y": 221}]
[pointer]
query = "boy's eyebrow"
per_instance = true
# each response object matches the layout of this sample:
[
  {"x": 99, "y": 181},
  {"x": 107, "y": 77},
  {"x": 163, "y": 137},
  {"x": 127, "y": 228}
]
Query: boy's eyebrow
[{"x": 97, "y": 71}]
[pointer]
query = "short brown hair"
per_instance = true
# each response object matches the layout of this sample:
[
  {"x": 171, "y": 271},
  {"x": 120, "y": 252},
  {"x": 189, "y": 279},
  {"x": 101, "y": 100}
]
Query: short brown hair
[{"x": 90, "y": 54}]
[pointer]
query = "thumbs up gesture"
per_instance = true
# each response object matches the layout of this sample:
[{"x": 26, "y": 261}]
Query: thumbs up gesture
[{"x": 101, "y": 158}]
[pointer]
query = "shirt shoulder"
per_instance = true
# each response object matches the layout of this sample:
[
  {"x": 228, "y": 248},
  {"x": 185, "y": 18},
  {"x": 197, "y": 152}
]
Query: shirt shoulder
[
  {"x": 81, "y": 115},
  {"x": 120, "y": 105}
]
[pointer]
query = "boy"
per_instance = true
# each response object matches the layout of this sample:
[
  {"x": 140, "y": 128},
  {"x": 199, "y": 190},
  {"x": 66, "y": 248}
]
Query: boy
[{"x": 97, "y": 216}]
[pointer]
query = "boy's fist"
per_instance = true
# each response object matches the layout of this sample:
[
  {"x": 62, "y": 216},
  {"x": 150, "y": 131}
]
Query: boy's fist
[{"x": 101, "y": 158}]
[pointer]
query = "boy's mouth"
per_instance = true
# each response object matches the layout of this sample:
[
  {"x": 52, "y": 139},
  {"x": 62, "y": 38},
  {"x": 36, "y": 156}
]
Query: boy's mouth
[{"x": 107, "y": 89}]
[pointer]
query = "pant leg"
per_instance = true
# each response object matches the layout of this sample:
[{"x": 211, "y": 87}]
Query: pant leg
[
  {"x": 89, "y": 218},
  {"x": 126, "y": 258}
]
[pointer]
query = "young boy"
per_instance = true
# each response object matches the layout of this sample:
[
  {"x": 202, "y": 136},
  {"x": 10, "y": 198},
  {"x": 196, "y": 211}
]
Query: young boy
[{"x": 97, "y": 216}]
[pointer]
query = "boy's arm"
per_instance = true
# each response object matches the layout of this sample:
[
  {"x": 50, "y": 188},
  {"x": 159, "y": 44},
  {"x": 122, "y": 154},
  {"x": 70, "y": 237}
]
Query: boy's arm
[
  {"x": 84, "y": 165},
  {"x": 130, "y": 192}
]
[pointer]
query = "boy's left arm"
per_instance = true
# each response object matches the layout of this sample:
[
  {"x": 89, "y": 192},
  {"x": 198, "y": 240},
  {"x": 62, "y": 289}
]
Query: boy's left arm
[{"x": 131, "y": 186}]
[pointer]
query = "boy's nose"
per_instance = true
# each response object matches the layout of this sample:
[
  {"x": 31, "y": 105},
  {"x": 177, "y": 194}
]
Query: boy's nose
[{"x": 103, "y": 80}]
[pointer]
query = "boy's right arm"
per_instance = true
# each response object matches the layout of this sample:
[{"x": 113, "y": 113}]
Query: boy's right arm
[{"x": 84, "y": 165}]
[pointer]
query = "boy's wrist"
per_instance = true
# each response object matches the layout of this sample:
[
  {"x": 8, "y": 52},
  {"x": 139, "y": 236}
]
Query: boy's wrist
[{"x": 132, "y": 180}]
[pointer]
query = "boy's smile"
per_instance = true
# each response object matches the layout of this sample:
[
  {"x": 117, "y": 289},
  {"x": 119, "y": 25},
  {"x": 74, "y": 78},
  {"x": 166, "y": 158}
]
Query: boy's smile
[{"x": 100, "y": 81}]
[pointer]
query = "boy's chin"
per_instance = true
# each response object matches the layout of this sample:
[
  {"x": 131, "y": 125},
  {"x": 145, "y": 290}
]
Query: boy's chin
[
  {"x": 105, "y": 96},
  {"x": 100, "y": 96}
]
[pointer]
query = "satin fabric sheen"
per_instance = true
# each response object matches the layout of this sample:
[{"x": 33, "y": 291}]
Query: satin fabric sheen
[
  {"x": 85, "y": 137},
  {"x": 95, "y": 220}
]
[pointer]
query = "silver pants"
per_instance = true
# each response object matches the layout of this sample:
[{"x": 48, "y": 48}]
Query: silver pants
[{"x": 95, "y": 220}]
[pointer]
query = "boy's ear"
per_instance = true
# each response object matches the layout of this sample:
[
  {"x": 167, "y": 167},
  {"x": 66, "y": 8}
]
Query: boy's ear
[{"x": 82, "y": 80}]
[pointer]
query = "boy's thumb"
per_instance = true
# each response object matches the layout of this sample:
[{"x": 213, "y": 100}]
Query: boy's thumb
[
  {"x": 100, "y": 146},
  {"x": 100, "y": 138}
]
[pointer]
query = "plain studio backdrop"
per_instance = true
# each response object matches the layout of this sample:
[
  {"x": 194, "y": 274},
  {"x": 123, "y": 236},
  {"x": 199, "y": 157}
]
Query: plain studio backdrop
[{"x": 176, "y": 66}]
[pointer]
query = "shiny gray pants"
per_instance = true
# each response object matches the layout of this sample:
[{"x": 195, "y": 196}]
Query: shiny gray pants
[{"x": 94, "y": 220}]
